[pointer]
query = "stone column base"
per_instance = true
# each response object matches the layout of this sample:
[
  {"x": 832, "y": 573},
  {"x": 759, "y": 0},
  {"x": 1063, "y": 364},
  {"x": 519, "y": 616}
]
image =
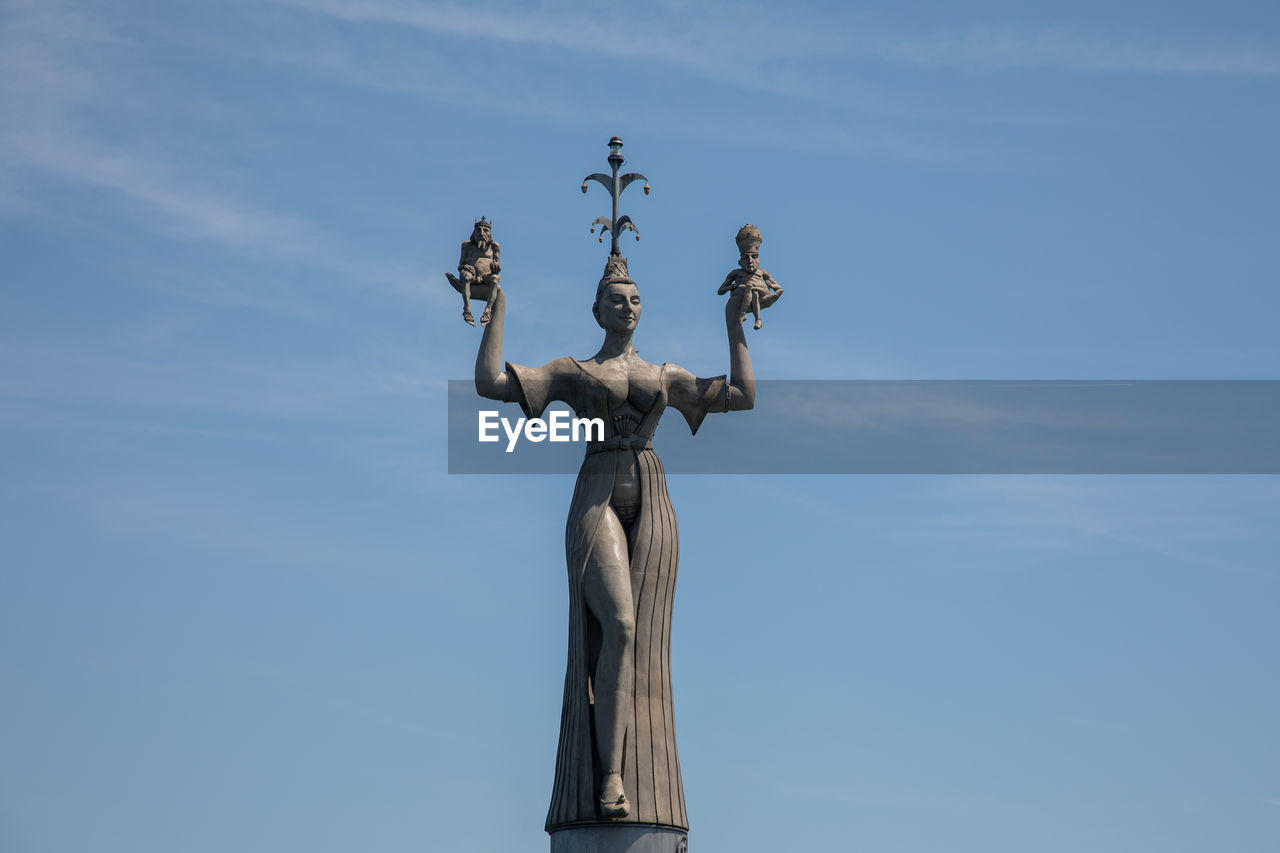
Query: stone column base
[{"x": 619, "y": 838}]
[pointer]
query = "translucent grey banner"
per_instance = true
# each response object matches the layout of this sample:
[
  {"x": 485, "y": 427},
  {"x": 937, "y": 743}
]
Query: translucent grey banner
[{"x": 922, "y": 427}]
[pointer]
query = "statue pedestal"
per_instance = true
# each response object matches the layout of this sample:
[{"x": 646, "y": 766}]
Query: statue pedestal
[{"x": 619, "y": 838}]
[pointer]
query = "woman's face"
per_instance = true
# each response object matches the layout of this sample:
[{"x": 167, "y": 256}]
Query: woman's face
[{"x": 619, "y": 307}]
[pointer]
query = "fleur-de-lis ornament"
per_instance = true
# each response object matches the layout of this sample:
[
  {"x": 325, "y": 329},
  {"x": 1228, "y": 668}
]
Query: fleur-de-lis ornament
[{"x": 615, "y": 184}]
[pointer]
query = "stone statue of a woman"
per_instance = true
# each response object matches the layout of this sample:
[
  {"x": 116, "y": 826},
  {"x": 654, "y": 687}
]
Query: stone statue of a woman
[{"x": 617, "y": 759}]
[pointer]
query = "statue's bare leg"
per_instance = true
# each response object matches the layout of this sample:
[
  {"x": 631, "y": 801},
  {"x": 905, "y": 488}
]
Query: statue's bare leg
[
  {"x": 466, "y": 299},
  {"x": 755, "y": 307},
  {"x": 607, "y": 585}
]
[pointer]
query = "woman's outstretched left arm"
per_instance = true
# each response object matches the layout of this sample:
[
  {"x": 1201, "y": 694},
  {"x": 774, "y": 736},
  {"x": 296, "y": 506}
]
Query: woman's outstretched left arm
[{"x": 491, "y": 379}]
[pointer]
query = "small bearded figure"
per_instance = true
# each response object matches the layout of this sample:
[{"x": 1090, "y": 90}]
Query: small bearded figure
[
  {"x": 478, "y": 265},
  {"x": 762, "y": 290}
]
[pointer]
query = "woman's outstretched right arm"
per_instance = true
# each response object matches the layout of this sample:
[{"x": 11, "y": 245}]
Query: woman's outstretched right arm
[{"x": 491, "y": 380}]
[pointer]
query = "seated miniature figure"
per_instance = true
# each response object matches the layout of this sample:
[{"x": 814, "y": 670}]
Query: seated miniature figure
[
  {"x": 478, "y": 269},
  {"x": 763, "y": 291}
]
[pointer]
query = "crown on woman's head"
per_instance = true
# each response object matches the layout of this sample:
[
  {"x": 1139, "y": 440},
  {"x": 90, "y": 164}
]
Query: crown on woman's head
[
  {"x": 748, "y": 239},
  {"x": 615, "y": 271}
]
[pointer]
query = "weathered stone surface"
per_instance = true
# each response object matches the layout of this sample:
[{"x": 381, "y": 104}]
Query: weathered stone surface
[
  {"x": 617, "y": 778},
  {"x": 479, "y": 268},
  {"x": 761, "y": 290}
]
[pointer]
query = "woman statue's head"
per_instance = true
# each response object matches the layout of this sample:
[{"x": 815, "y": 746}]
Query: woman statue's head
[{"x": 617, "y": 305}]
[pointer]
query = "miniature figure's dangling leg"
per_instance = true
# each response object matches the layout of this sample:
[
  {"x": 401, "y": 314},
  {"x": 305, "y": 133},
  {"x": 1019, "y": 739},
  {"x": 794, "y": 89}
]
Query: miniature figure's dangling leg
[
  {"x": 755, "y": 307},
  {"x": 466, "y": 298}
]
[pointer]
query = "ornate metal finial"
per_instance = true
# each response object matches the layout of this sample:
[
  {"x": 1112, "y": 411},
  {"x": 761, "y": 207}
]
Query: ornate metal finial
[{"x": 615, "y": 184}]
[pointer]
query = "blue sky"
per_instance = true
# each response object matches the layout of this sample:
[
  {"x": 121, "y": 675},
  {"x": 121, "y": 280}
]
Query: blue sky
[{"x": 243, "y": 605}]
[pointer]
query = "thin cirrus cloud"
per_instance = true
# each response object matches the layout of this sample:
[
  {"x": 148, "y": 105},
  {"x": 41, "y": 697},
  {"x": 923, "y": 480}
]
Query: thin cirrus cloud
[
  {"x": 179, "y": 206},
  {"x": 188, "y": 210},
  {"x": 710, "y": 41},
  {"x": 54, "y": 62},
  {"x": 1066, "y": 48},
  {"x": 57, "y": 65},
  {"x": 53, "y": 72}
]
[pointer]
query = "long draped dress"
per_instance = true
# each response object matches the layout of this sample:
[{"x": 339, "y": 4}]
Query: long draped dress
[{"x": 651, "y": 764}]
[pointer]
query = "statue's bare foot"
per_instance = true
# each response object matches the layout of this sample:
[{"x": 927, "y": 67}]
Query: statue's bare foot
[
  {"x": 486, "y": 316},
  {"x": 466, "y": 315},
  {"x": 613, "y": 800},
  {"x": 758, "y": 325}
]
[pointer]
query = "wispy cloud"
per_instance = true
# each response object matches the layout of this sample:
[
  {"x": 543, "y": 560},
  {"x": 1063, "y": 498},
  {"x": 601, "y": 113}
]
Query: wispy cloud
[
  {"x": 719, "y": 43},
  {"x": 686, "y": 37},
  {"x": 40, "y": 43},
  {"x": 334, "y": 389},
  {"x": 56, "y": 64},
  {"x": 843, "y": 114},
  {"x": 1179, "y": 521},
  {"x": 424, "y": 74},
  {"x": 1064, "y": 48},
  {"x": 185, "y": 207},
  {"x": 179, "y": 204},
  {"x": 704, "y": 42},
  {"x": 1016, "y": 522},
  {"x": 828, "y": 65},
  {"x": 56, "y": 67}
]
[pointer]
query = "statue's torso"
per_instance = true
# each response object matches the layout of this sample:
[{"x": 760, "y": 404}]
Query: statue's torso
[
  {"x": 480, "y": 258},
  {"x": 754, "y": 280},
  {"x": 631, "y": 386}
]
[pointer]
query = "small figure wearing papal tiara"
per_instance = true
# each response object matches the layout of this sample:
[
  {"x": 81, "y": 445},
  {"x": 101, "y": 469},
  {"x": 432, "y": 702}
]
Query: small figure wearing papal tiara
[
  {"x": 762, "y": 291},
  {"x": 478, "y": 268}
]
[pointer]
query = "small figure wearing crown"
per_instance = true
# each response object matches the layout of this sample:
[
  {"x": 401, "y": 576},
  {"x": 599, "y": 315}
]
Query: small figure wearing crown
[
  {"x": 762, "y": 291},
  {"x": 478, "y": 268}
]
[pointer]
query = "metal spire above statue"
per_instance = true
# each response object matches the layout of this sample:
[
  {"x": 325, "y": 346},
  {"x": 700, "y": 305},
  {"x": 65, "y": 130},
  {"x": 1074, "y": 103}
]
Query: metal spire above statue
[{"x": 615, "y": 184}]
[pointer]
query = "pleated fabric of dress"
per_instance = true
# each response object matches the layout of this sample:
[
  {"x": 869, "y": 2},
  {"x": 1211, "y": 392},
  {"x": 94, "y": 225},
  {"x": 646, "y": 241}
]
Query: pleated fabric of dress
[{"x": 651, "y": 762}]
